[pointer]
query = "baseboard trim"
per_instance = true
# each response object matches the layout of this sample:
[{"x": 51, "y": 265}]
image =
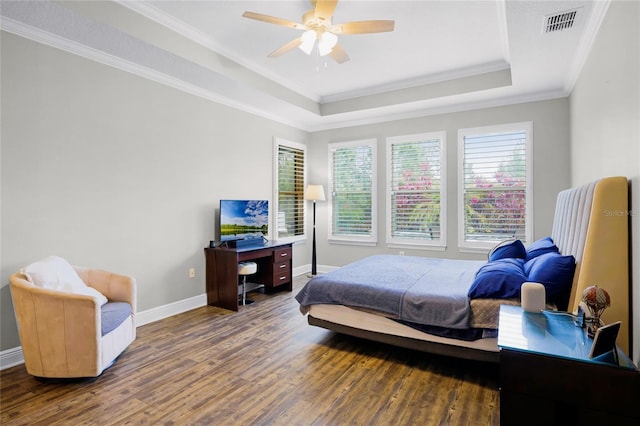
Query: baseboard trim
[
  {"x": 12, "y": 357},
  {"x": 166, "y": 311}
]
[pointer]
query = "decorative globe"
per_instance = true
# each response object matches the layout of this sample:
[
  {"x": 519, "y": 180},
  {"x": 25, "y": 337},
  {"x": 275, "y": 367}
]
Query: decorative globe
[{"x": 597, "y": 300}]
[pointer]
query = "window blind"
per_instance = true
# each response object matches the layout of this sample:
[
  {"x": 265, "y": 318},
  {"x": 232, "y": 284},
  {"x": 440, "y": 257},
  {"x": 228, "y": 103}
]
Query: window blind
[
  {"x": 415, "y": 195},
  {"x": 495, "y": 186},
  {"x": 352, "y": 190},
  {"x": 290, "y": 221}
]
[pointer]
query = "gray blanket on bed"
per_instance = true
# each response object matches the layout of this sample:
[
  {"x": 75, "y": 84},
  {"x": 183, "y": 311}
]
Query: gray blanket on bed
[{"x": 416, "y": 289}]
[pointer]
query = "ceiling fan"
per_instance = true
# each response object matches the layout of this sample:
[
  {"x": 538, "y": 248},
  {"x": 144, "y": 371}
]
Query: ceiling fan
[{"x": 317, "y": 25}]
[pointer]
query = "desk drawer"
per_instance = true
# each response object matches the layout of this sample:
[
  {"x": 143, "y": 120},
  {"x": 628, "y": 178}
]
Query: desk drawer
[
  {"x": 281, "y": 255},
  {"x": 281, "y": 277},
  {"x": 279, "y": 267}
]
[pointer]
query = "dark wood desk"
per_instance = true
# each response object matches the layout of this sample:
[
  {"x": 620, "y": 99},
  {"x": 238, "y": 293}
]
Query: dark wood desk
[
  {"x": 547, "y": 377},
  {"x": 222, "y": 280}
]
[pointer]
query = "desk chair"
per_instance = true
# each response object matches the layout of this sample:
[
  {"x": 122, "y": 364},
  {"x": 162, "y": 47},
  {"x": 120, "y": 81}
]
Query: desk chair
[{"x": 244, "y": 269}]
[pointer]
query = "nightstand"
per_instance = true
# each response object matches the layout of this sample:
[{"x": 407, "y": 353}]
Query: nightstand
[{"x": 547, "y": 377}]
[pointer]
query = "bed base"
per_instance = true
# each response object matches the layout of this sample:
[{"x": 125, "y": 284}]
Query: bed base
[{"x": 408, "y": 342}]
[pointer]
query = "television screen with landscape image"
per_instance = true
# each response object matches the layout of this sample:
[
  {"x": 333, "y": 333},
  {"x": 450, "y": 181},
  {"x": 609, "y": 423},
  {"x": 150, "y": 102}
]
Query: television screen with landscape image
[{"x": 243, "y": 219}]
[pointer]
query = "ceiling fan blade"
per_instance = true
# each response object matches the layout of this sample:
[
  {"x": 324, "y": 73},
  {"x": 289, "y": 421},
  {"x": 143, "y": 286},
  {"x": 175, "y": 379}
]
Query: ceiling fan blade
[
  {"x": 363, "y": 27},
  {"x": 273, "y": 20},
  {"x": 287, "y": 47},
  {"x": 338, "y": 54},
  {"x": 324, "y": 9}
]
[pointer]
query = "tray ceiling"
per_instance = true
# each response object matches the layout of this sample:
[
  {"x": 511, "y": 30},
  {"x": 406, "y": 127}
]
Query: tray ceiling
[{"x": 441, "y": 56}]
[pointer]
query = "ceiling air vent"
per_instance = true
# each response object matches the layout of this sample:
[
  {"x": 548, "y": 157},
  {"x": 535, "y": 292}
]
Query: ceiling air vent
[{"x": 560, "y": 21}]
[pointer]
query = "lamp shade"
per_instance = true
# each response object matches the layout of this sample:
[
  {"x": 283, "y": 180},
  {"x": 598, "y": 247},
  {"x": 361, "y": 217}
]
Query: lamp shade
[
  {"x": 314, "y": 192},
  {"x": 326, "y": 43},
  {"x": 308, "y": 41}
]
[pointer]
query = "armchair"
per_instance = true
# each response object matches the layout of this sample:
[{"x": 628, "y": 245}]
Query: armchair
[{"x": 72, "y": 334}]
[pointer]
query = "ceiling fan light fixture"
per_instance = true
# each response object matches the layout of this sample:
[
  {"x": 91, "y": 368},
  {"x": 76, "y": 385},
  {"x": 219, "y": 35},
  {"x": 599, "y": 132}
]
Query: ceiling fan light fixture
[
  {"x": 326, "y": 43},
  {"x": 308, "y": 40},
  {"x": 317, "y": 24}
]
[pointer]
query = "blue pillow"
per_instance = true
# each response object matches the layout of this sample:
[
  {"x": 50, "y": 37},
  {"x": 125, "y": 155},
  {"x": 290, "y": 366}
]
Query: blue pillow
[
  {"x": 508, "y": 248},
  {"x": 540, "y": 247},
  {"x": 498, "y": 280},
  {"x": 553, "y": 271}
]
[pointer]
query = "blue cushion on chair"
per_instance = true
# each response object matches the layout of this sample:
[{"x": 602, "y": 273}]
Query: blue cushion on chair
[{"x": 113, "y": 314}]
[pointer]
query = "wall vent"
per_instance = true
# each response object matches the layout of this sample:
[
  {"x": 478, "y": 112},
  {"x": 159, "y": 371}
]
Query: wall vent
[{"x": 560, "y": 21}]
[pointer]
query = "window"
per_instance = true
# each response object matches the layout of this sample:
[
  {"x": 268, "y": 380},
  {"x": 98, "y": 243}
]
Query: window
[
  {"x": 288, "y": 212},
  {"x": 352, "y": 187},
  {"x": 495, "y": 194},
  {"x": 415, "y": 190}
]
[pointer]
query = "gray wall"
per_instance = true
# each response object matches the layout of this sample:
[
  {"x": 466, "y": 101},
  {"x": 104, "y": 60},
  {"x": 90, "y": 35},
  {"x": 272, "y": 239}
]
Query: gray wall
[
  {"x": 605, "y": 122},
  {"x": 114, "y": 171},
  {"x": 111, "y": 170},
  {"x": 550, "y": 169}
]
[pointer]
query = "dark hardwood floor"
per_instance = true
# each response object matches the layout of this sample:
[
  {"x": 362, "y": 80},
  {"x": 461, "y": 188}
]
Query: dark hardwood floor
[{"x": 263, "y": 365}]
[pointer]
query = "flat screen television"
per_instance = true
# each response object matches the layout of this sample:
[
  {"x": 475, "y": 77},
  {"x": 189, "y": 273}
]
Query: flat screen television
[{"x": 243, "y": 219}]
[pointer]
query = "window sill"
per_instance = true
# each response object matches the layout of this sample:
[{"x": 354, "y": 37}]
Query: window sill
[
  {"x": 354, "y": 242},
  {"x": 300, "y": 239},
  {"x": 409, "y": 246},
  {"x": 481, "y": 250}
]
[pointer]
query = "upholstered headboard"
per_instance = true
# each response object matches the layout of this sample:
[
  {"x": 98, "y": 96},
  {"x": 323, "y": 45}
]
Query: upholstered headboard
[{"x": 591, "y": 222}]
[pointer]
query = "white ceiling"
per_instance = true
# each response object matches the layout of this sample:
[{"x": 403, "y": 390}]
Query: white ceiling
[
  {"x": 442, "y": 56},
  {"x": 430, "y": 38}
]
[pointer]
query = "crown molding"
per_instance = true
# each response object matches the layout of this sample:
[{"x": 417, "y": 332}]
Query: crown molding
[
  {"x": 379, "y": 115},
  {"x": 58, "y": 42},
  {"x": 384, "y": 115},
  {"x": 188, "y": 77},
  {"x": 188, "y": 31},
  {"x": 416, "y": 82},
  {"x": 597, "y": 15}
]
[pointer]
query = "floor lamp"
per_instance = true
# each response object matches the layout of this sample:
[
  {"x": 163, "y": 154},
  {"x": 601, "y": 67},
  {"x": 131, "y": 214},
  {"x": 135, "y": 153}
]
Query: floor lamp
[{"x": 314, "y": 193}]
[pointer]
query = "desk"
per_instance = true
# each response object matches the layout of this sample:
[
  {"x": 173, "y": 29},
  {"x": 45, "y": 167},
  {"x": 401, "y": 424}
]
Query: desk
[
  {"x": 274, "y": 271},
  {"x": 547, "y": 377}
]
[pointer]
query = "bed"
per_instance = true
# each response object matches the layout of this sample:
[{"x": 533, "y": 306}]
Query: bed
[{"x": 590, "y": 224}]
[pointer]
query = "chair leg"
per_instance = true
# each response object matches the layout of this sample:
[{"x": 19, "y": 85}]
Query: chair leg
[{"x": 244, "y": 292}]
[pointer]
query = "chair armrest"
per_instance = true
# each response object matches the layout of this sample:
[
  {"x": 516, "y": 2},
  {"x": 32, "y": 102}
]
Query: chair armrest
[
  {"x": 52, "y": 324},
  {"x": 116, "y": 287}
]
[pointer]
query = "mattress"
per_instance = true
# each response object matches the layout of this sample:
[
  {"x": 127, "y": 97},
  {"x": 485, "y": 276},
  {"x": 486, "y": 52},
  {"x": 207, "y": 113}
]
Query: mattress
[{"x": 426, "y": 291}]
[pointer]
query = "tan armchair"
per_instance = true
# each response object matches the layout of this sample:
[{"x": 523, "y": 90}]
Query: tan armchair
[{"x": 63, "y": 334}]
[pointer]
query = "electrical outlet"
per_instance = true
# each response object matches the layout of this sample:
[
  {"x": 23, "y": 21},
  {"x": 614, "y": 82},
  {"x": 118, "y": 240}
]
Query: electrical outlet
[
  {"x": 401, "y": 253},
  {"x": 192, "y": 272}
]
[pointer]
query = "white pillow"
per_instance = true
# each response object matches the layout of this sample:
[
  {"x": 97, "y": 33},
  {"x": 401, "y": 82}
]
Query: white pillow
[{"x": 55, "y": 273}]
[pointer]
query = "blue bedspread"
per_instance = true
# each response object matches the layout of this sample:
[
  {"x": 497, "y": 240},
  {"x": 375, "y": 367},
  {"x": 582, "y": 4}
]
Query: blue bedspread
[{"x": 416, "y": 289}]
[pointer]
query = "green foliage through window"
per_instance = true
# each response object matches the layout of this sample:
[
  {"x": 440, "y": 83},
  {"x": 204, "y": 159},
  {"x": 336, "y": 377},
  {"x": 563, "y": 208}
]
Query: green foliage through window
[
  {"x": 352, "y": 190},
  {"x": 495, "y": 186},
  {"x": 290, "y": 221},
  {"x": 415, "y": 189}
]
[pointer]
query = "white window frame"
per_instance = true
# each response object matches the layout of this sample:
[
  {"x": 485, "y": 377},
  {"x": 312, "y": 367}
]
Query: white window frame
[
  {"x": 397, "y": 242},
  {"x": 277, "y": 142},
  {"x": 372, "y": 239},
  {"x": 527, "y": 127}
]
